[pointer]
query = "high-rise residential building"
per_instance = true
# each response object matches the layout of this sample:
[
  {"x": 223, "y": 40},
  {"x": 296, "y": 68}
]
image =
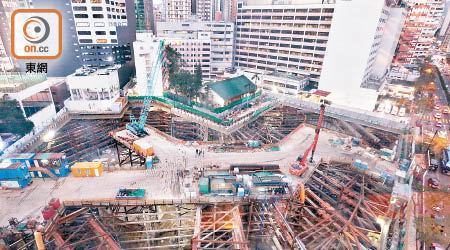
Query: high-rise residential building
[
  {"x": 312, "y": 38},
  {"x": 350, "y": 67},
  {"x": 105, "y": 31},
  {"x": 422, "y": 21},
  {"x": 145, "y": 19},
  {"x": 177, "y": 10},
  {"x": 205, "y": 9},
  {"x": 209, "y": 44},
  {"x": 145, "y": 54},
  {"x": 158, "y": 14},
  {"x": 445, "y": 33}
]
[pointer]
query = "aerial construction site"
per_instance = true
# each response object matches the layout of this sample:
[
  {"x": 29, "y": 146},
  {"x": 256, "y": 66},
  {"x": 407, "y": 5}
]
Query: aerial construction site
[{"x": 268, "y": 173}]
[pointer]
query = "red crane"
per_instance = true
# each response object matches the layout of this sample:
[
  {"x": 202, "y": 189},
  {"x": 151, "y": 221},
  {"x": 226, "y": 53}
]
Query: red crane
[{"x": 299, "y": 166}]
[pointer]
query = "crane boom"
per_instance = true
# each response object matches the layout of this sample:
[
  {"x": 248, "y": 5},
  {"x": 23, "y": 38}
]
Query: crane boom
[
  {"x": 137, "y": 126},
  {"x": 299, "y": 167}
]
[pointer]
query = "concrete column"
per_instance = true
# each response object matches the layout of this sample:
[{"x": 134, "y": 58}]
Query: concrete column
[
  {"x": 71, "y": 94},
  {"x": 98, "y": 95}
]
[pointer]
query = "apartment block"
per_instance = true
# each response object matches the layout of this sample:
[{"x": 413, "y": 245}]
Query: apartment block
[
  {"x": 177, "y": 10},
  {"x": 445, "y": 33},
  {"x": 105, "y": 31},
  {"x": 205, "y": 9},
  {"x": 422, "y": 21},
  {"x": 209, "y": 44},
  {"x": 351, "y": 54},
  {"x": 145, "y": 54},
  {"x": 288, "y": 39}
]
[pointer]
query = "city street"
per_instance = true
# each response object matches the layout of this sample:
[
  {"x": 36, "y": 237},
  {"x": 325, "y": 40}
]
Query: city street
[{"x": 433, "y": 203}]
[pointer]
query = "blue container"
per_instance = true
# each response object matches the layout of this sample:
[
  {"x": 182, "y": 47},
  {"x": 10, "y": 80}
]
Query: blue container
[
  {"x": 357, "y": 163},
  {"x": 58, "y": 172},
  {"x": 364, "y": 165},
  {"x": 26, "y": 158},
  {"x": 149, "y": 162},
  {"x": 9, "y": 170},
  {"x": 16, "y": 182}
]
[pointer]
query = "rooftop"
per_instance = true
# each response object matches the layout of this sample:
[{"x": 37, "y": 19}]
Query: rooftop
[{"x": 233, "y": 87}]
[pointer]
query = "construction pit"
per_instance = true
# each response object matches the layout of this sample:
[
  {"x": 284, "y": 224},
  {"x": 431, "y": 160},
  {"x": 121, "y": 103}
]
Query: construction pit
[
  {"x": 340, "y": 209},
  {"x": 284, "y": 133}
]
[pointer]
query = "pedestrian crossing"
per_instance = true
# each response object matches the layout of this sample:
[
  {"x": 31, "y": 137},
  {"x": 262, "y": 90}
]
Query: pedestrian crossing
[{"x": 432, "y": 118}]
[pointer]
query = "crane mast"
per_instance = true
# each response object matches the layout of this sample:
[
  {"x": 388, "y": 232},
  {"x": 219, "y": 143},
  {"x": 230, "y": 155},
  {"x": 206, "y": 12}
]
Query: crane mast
[{"x": 135, "y": 126}]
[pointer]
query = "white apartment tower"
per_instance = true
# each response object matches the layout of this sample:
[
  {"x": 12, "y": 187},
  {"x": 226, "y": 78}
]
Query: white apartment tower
[
  {"x": 351, "y": 52},
  {"x": 177, "y": 10},
  {"x": 205, "y": 9},
  {"x": 209, "y": 44},
  {"x": 145, "y": 53}
]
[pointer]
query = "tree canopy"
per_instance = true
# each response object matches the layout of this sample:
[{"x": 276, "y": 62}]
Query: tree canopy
[
  {"x": 12, "y": 119},
  {"x": 181, "y": 81}
]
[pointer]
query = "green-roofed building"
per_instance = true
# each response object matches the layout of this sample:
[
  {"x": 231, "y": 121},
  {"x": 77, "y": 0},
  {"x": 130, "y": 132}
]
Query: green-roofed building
[{"x": 230, "y": 90}]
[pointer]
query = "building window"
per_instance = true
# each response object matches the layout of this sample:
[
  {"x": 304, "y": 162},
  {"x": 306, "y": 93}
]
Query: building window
[
  {"x": 101, "y": 40},
  {"x": 81, "y": 16},
  {"x": 97, "y": 8},
  {"x": 78, "y": 1},
  {"x": 82, "y": 24},
  {"x": 97, "y": 16},
  {"x": 85, "y": 40},
  {"x": 84, "y": 32},
  {"x": 96, "y": 1},
  {"x": 79, "y": 8},
  {"x": 100, "y": 33}
]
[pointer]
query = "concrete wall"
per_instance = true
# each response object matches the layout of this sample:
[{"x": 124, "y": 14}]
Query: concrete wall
[{"x": 391, "y": 34}]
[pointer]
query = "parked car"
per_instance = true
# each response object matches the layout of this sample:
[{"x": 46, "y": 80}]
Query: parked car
[
  {"x": 445, "y": 111},
  {"x": 434, "y": 164},
  {"x": 438, "y": 124},
  {"x": 437, "y": 107},
  {"x": 438, "y": 116},
  {"x": 433, "y": 183}
]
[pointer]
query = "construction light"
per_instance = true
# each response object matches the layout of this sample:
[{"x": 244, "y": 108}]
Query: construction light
[
  {"x": 428, "y": 71},
  {"x": 50, "y": 134},
  {"x": 380, "y": 220}
]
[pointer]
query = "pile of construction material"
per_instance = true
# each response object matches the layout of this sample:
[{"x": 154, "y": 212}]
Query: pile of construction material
[{"x": 242, "y": 180}]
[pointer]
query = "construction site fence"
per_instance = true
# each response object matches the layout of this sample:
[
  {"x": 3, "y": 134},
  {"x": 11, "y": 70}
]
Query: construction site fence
[
  {"x": 184, "y": 100},
  {"x": 198, "y": 112}
]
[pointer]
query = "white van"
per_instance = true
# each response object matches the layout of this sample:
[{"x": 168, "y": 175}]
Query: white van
[
  {"x": 380, "y": 107},
  {"x": 394, "y": 110},
  {"x": 402, "y": 111}
]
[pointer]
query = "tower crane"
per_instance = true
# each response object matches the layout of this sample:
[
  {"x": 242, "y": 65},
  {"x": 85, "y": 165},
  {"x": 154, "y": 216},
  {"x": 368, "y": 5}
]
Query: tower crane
[
  {"x": 135, "y": 126},
  {"x": 299, "y": 166}
]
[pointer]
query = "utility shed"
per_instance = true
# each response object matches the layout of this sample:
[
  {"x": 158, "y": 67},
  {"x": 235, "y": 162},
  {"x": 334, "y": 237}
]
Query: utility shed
[{"x": 230, "y": 90}]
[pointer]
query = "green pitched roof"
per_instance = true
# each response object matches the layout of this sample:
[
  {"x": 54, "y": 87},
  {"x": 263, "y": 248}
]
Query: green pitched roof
[{"x": 232, "y": 87}]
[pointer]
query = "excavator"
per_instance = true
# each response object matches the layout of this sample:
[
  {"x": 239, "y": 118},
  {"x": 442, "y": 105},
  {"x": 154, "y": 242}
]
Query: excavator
[{"x": 299, "y": 166}]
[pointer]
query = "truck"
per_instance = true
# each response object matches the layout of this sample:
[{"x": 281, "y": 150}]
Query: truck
[{"x": 130, "y": 194}]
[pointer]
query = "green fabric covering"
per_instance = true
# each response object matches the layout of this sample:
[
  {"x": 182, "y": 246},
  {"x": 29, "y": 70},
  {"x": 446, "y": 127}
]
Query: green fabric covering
[
  {"x": 233, "y": 87},
  {"x": 262, "y": 174}
]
